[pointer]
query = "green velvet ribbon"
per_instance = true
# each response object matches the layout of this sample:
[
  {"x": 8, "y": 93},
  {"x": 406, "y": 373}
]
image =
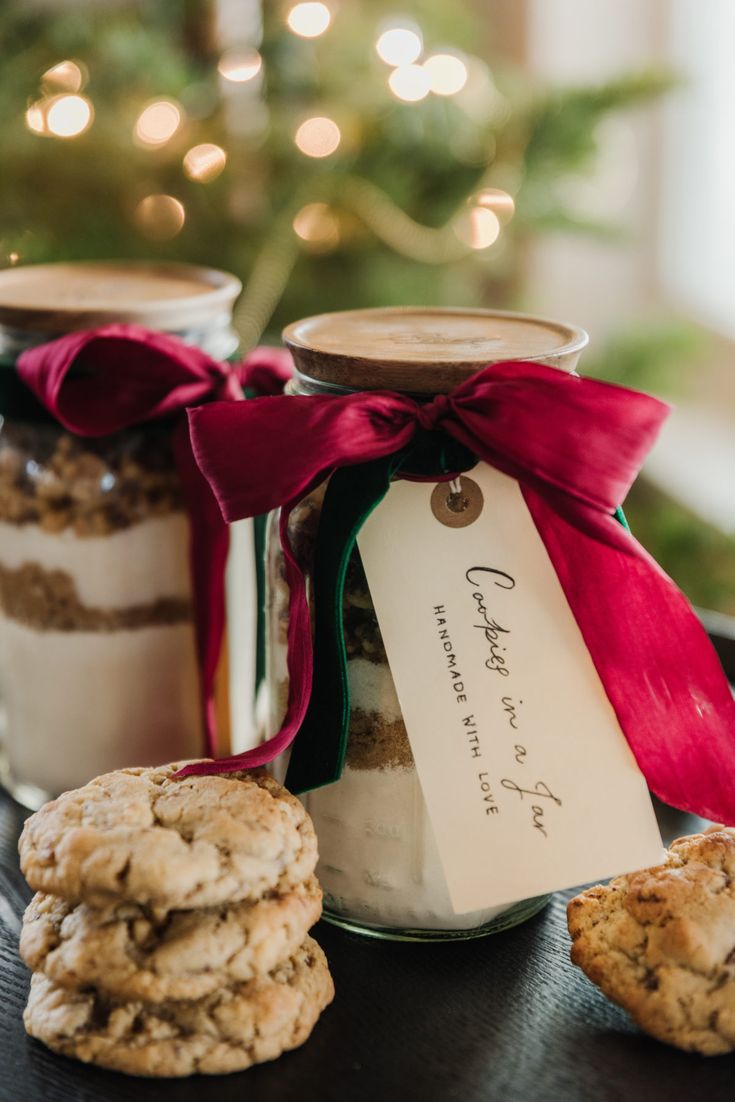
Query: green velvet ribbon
[
  {"x": 319, "y": 750},
  {"x": 318, "y": 753},
  {"x": 17, "y": 401}
]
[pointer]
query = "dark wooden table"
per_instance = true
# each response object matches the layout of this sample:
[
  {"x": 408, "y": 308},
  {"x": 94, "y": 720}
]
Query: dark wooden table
[{"x": 505, "y": 1017}]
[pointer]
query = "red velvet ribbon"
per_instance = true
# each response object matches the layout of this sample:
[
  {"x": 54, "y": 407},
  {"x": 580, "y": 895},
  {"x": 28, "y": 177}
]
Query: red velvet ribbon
[
  {"x": 575, "y": 446},
  {"x": 100, "y": 381}
]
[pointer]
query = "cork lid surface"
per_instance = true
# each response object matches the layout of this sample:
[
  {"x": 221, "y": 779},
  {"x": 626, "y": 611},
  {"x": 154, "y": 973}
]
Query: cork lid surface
[
  {"x": 423, "y": 349},
  {"x": 56, "y": 298}
]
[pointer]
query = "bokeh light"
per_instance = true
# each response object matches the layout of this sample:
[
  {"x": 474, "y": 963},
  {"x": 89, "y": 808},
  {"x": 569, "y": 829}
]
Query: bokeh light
[
  {"x": 66, "y": 76},
  {"x": 316, "y": 225},
  {"x": 160, "y": 217},
  {"x": 68, "y": 116},
  {"x": 309, "y": 20},
  {"x": 447, "y": 74},
  {"x": 478, "y": 227},
  {"x": 36, "y": 118},
  {"x": 318, "y": 137},
  {"x": 158, "y": 122},
  {"x": 410, "y": 83},
  {"x": 204, "y": 162},
  {"x": 399, "y": 46},
  {"x": 240, "y": 65},
  {"x": 496, "y": 200}
]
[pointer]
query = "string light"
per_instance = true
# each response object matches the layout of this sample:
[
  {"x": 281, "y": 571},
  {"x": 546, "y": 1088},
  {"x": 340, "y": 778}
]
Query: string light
[
  {"x": 68, "y": 116},
  {"x": 399, "y": 46},
  {"x": 317, "y": 227},
  {"x": 318, "y": 137},
  {"x": 447, "y": 74},
  {"x": 478, "y": 227},
  {"x": 240, "y": 65},
  {"x": 204, "y": 162},
  {"x": 36, "y": 119},
  {"x": 160, "y": 217},
  {"x": 157, "y": 123},
  {"x": 66, "y": 76},
  {"x": 309, "y": 20},
  {"x": 13, "y": 257},
  {"x": 496, "y": 200},
  {"x": 410, "y": 83}
]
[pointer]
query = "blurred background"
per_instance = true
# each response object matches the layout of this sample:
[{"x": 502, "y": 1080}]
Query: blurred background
[{"x": 556, "y": 156}]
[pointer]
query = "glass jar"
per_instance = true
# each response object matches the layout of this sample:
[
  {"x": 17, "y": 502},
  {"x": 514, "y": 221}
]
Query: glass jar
[
  {"x": 379, "y": 863},
  {"x": 98, "y": 665}
]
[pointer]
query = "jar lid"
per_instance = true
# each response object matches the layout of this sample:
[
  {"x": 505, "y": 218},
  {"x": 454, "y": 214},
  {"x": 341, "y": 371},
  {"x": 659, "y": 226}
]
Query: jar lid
[
  {"x": 422, "y": 349},
  {"x": 57, "y": 298}
]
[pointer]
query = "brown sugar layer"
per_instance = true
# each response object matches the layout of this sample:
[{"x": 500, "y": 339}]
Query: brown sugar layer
[
  {"x": 47, "y": 600},
  {"x": 377, "y": 743},
  {"x": 90, "y": 486},
  {"x": 374, "y": 742}
]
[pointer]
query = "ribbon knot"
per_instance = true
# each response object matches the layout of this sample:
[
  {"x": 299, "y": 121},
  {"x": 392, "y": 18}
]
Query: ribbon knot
[
  {"x": 430, "y": 414},
  {"x": 101, "y": 381},
  {"x": 574, "y": 446},
  {"x": 226, "y": 384}
]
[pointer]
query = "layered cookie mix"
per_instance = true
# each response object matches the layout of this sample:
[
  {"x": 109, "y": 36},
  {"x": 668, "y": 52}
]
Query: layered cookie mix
[
  {"x": 379, "y": 861},
  {"x": 661, "y": 943},
  {"x": 95, "y": 591},
  {"x": 170, "y": 936}
]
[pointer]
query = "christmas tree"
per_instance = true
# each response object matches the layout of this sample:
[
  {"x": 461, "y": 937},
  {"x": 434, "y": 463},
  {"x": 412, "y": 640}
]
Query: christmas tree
[
  {"x": 329, "y": 158},
  {"x": 332, "y": 156}
]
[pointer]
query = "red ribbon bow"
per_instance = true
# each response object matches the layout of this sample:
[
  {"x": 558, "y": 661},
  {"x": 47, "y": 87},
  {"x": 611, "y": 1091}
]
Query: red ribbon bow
[
  {"x": 124, "y": 375},
  {"x": 575, "y": 446}
]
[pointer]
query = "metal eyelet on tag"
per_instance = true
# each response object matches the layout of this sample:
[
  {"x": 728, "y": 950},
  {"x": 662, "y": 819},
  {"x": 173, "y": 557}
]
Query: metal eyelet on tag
[{"x": 458, "y": 503}]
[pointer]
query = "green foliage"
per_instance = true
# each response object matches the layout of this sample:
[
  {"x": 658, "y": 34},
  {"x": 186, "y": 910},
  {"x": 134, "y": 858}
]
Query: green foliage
[
  {"x": 400, "y": 177},
  {"x": 699, "y": 558},
  {"x": 658, "y": 355},
  {"x": 401, "y": 169},
  {"x": 562, "y": 138}
]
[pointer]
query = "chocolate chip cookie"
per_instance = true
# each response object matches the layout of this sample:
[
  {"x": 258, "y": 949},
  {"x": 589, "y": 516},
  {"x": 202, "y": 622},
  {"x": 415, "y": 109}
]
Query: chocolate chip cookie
[
  {"x": 661, "y": 943},
  {"x": 231, "y": 1029},
  {"x": 144, "y": 836},
  {"x": 127, "y": 953}
]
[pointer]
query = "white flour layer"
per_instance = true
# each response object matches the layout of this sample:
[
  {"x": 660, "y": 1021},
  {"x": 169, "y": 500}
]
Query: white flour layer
[
  {"x": 372, "y": 688},
  {"x": 378, "y": 858},
  {"x": 82, "y": 703},
  {"x": 132, "y": 566}
]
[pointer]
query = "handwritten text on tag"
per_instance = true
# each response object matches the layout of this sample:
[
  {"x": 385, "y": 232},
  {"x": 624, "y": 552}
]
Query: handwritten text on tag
[{"x": 529, "y": 782}]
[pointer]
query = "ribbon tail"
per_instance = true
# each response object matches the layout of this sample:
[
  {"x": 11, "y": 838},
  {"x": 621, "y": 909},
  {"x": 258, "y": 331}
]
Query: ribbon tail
[
  {"x": 658, "y": 668},
  {"x": 318, "y": 754},
  {"x": 300, "y": 667},
  {"x": 209, "y": 543}
]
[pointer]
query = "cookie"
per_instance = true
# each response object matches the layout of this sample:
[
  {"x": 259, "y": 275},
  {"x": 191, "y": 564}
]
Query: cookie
[
  {"x": 661, "y": 943},
  {"x": 128, "y": 954},
  {"x": 142, "y": 836},
  {"x": 239, "y": 1025}
]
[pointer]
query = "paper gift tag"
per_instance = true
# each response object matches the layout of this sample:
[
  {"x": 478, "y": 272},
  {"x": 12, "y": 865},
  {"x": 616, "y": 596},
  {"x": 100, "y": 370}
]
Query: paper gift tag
[{"x": 529, "y": 782}]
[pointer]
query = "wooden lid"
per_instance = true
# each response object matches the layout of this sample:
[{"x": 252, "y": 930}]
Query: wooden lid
[
  {"x": 421, "y": 349},
  {"x": 56, "y": 298}
]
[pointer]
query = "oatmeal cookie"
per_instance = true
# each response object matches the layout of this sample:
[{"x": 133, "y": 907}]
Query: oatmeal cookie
[
  {"x": 661, "y": 943},
  {"x": 125, "y": 953},
  {"x": 233, "y": 1028},
  {"x": 142, "y": 836}
]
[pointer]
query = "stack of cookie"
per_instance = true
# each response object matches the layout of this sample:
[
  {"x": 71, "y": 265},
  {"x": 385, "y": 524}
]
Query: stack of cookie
[{"x": 169, "y": 932}]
